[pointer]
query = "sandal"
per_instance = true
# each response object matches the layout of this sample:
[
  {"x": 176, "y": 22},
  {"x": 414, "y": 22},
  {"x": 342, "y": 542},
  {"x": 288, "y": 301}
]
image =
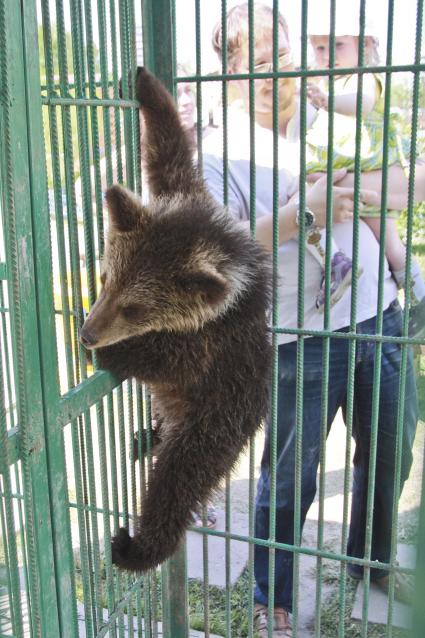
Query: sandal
[
  {"x": 282, "y": 625},
  {"x": 403, "y": 587},
  {"x": 403, "y": 584}
]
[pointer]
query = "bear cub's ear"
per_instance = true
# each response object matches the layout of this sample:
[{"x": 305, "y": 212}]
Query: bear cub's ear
[
  {"x": 125, "y": 208},
  {"x": 207, "y": 282}
]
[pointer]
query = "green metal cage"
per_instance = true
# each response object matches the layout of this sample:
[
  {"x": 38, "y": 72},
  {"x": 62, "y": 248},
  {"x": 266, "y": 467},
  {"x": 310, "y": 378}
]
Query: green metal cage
[{"x": 68, "y": 478}]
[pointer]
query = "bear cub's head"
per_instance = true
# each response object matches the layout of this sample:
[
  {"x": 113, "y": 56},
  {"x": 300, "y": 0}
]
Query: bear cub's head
[{"x": 167, "y": 266}]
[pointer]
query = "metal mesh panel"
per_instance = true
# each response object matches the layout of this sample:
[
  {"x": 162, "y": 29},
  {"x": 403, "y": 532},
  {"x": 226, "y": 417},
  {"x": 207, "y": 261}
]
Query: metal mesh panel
[
  {"x": 68, "y": 475},
  {"x": 332, "y": 556},
  {"x": 62, "y": 502},
  {"x": 104, "y": 490},
  {"x": 91, "y": 141}
]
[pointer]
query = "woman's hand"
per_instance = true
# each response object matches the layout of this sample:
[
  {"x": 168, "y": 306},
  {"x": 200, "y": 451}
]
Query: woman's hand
[{"x": 343, "y": 199}]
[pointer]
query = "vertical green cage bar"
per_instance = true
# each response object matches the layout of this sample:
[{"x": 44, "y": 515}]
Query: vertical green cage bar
[
  {"x": 16, "y": 28},
  {"x": 418, "y": 627},
  {"x": 62, "y": 545},
  {"x": 159, "y": 56}
]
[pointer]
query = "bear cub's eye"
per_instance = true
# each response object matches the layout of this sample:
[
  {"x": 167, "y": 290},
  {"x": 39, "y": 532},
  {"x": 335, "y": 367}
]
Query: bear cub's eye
[{"x": 131, "y": 312}]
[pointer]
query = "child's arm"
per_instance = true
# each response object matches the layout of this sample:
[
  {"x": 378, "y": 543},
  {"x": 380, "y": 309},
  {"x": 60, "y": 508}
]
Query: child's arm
[
  {"x": 346, "y": 103},
  {"x": 397, "y": 185}
]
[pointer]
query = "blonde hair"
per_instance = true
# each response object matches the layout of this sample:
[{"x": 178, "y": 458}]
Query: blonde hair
[
  {"x": 371, "y": 43},
  {"x": 238, "y": 29},
  {"x": 371, "y": 54}
]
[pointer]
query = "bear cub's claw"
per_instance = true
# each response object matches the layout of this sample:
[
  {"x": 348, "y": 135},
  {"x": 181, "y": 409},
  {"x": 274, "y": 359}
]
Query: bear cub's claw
[
  {"x": 146, "y": 91},
  {"x": 142, "y": 75}
]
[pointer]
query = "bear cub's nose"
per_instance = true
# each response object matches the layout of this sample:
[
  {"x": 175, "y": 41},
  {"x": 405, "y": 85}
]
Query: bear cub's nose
[{"x": 87, "y": 338}]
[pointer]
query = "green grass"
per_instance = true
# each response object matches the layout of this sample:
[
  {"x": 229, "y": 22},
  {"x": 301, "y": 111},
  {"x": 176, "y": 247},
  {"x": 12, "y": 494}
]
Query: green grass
[
  {"x": 239, "y": 600},
  {"x": 216, "y": 596},
  {"x": 331, "y": 608}
]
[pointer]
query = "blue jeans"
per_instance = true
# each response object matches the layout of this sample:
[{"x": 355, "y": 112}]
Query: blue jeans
[{"x": 362, "y": 413}]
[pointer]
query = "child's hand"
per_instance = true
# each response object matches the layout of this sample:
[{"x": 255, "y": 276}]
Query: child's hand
[
  {"x": 317, "y": 97},
  {"x": 343, "y": 198}
]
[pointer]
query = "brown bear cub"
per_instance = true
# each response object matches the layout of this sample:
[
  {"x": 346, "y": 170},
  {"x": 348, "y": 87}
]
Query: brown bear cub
[{"x": 183, "y": 307}]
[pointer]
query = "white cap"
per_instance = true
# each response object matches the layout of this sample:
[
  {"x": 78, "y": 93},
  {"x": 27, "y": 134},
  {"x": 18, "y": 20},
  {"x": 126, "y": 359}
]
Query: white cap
[{"x": 347, "y": 18}]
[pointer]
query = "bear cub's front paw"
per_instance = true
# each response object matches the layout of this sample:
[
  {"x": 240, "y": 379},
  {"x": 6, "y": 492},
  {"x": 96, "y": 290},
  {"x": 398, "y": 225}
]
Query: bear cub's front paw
[{"x": 149, "y": 90}]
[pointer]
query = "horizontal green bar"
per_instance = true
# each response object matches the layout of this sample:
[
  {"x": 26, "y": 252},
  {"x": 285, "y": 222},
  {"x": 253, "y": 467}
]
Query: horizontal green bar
[
  {"x": 79, "y": 101},
  {"x": 99, "y": 510},
  {"x": 84, "y": 395},
  {"x": 3, "y": 270},
  {"x": 70, "y": 313},
  {"x": 297, "y": 73},
  {"x": 13, "y": 447},
  {"x": 308, "y": 551},
  {"x": 15, "y": 495},
  {"x": 71, "y": 86},
  {"x": 348, "y": 335}
]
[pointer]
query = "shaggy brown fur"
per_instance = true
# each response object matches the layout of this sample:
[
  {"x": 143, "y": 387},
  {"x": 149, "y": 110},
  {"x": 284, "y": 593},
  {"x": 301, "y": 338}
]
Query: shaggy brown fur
[{"x": 182, "y": 307}]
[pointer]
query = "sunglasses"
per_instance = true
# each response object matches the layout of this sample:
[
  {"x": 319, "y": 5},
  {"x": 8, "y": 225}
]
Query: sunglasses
[{"x": 284, "y": 60}]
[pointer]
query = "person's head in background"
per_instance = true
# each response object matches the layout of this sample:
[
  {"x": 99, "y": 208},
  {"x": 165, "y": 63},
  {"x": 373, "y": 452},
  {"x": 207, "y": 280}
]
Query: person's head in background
[
  {"x": 347, "y": 34},
  {"x": 238, "y": 59},
  {"x": 186, "y": 104},
  {"x": 186, "y": 99}
]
